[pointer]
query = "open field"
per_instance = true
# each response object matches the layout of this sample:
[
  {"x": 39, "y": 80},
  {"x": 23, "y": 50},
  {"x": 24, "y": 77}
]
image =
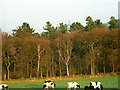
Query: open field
[{"x": 107, "y": 82}]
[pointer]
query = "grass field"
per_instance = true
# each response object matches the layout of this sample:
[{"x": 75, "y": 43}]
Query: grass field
[{"x": 107, "y": 82}]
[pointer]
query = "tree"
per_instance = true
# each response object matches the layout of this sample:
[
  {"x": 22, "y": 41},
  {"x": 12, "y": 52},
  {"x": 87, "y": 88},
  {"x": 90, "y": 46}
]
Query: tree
[
  {"x": 76, "y": 26},
  {"x": 90, "y": 23},
  {"x": 41, "y": 46},
  {"x": 113, "y": 23},
  {"x": 50, "y": 30},
  {"x": 63, "y": 28},
  {"x": 113, "y": 57},
  {"x": 8, "y": 52},
  {"x": 92, "y": 40},
  {"x": 25, "y": 28},
  {"x": 64, "y": 48},
  {"x": 99, "y": 24}
]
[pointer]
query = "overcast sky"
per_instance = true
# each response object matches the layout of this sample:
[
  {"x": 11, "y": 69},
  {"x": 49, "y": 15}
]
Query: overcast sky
[{"x": 37, "y": 12}]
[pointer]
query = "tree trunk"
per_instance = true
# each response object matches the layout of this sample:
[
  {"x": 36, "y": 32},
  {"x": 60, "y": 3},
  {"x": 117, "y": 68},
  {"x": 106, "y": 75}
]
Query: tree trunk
[
  {"x": 21, "y": 69},
  {"x": 27, "y": 68},
  {"x": 60, "y": 68},
  {"x": 92, "y": 67},
  {"x": 55, "y": 68},
  {"x": 41, "y": 74},
  {"x": 67, "y": 69},
  {"x": 47, "y": 73},
  {"x": 92, "y": 61},
  {"x": 15, "y": 64},
  {"x": 8, "y": 73},
  {"x": 39, "y": 53},
  {"x": 4, "y": 76},
  {"x": 53, "y": 74},
  {"x": 104, "y": 69},
  {"x": 14, "y": 67},
  {"x": 113, "y": 68},
  {"x": 38, "y": 68},
  {"x": 31, "y": 69},
  {"x": 80, "y": 68},
  {"x": 8, "y": 69},
  {"x": 50, "y": 68}
]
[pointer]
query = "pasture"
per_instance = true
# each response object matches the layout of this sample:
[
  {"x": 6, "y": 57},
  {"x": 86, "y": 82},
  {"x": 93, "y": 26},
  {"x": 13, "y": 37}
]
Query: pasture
[{"x": 107, "y": 82}]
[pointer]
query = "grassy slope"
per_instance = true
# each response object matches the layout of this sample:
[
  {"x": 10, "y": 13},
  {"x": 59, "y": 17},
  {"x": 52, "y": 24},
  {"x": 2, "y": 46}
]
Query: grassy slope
[{"x": 107, "y": 82}]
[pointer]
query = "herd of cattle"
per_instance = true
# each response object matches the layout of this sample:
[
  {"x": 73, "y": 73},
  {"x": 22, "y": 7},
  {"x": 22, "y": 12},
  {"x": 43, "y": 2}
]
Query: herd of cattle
[
  {"x": 92, "y": 86},
  {"x": 50, "y": 83}
]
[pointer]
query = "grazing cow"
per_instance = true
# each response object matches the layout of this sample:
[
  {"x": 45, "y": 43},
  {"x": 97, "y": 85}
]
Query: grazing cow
[
  {"x": 73, "y": 85},
  {"x": 49, "y": 83},
  {"x": 3, "y": 86},
  {"x": 94, "y": 86}
]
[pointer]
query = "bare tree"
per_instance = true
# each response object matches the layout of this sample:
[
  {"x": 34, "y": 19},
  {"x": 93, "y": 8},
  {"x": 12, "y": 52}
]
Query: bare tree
[
  {"x": 64, "y": 48},
  {"x": 40, "y": 51}
]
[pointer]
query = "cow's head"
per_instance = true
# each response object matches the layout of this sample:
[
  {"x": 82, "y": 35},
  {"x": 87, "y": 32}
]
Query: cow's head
[
  {"x": 90, "y": 84},
  {"x": 101, "y": 87},
  {"x": 6, "y": 87},
  {"x": 3, "y": 86},
  {"x": 44, "y": 87},
  {"x": 78, "y": 86}
]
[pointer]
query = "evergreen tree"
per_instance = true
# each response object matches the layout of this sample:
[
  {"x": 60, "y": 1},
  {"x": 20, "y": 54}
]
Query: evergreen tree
[
  {"x": 90, "y": 24},
  {"x": 23, "y": 29},
  {"x": 50, "y": 30},
  {"x": 76, "y": 26},
  {"x": 63, "y": 28},
  {"x": 113, "y": 23},
  {"x": 99, "y": 24}
]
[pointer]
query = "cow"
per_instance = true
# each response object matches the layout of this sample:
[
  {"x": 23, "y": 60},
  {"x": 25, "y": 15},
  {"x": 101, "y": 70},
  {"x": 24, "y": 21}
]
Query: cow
[
  {"x": 3, "y": 86},
  {"x": 49, "y": 83},
  {"x": 94, "y": 86},
  {"x": 73, "y": 85}
]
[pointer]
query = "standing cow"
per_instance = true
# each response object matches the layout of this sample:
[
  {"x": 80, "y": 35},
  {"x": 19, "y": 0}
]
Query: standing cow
[{"x": 49, "y": 83}]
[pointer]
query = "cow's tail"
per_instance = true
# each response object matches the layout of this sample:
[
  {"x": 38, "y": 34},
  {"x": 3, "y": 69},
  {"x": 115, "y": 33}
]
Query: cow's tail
[{"x": 54, "y": 85}]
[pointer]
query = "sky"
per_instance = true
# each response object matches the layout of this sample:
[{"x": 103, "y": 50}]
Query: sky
[{"x": 37, "y": 12}]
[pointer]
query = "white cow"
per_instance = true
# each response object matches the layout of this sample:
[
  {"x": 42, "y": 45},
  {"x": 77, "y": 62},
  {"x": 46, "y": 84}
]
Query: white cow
[
  {"x": 73, "y": 85},
  {"x": 3, "y": 86},
  {"x": 49, "y": 83}
]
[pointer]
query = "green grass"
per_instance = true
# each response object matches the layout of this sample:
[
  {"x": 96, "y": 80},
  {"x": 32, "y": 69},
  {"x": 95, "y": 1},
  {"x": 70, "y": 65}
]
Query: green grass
[{"x": 107, "y": 82}]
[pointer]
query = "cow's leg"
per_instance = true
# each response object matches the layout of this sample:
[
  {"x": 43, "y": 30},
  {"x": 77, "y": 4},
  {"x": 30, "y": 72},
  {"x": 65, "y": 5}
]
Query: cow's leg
[
  {"x": 53, "y": 86},
  {"x": 68, "y": 88},
  {"x": 74, "y": 88}
]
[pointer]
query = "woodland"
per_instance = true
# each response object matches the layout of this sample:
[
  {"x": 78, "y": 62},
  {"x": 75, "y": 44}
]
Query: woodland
[{"x": 61, "y": 50}]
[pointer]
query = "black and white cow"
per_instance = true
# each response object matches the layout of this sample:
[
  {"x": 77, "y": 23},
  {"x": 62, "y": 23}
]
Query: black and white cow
[
  {"x": 49, "y": 83},
  {"x": 3, "y": 86},
  {"x": 94, "y": 86},
  {"x": 73, "y": 85}
]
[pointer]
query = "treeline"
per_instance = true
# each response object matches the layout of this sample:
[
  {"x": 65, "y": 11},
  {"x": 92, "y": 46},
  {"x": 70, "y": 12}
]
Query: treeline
[{"x": 60, "y": 50}]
